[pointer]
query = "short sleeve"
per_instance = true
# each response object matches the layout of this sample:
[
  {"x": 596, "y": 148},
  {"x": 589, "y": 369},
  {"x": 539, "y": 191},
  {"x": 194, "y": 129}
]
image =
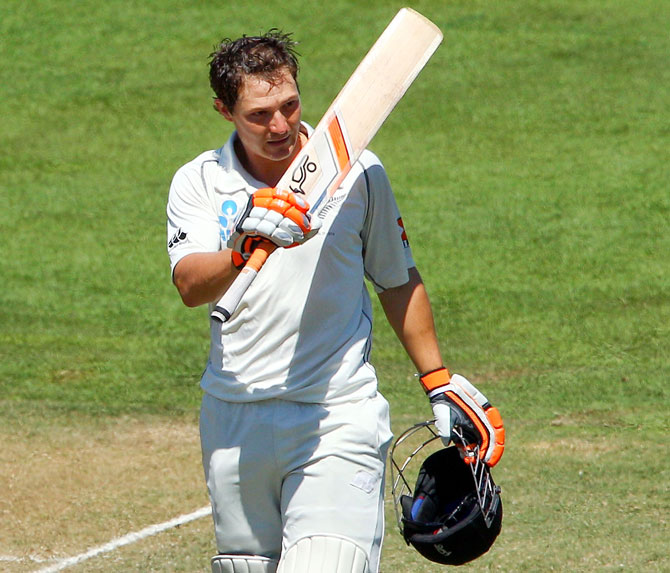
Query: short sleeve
[
  {"x": 192, "y": 221},
  {"x": 387, "y": 254}
]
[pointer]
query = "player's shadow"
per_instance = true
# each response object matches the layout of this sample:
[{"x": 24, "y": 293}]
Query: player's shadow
[{"x": 345, "y": 447}]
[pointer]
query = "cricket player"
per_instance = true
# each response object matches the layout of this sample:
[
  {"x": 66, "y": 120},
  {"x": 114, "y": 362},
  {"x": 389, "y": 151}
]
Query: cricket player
[{"x": 294, "y": 431}]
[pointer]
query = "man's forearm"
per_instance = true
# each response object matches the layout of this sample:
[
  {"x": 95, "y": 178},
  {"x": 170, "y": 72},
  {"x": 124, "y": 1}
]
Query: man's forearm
[
  {"x": 201, "y": 278},
  {"x": 409, "y": 313}
]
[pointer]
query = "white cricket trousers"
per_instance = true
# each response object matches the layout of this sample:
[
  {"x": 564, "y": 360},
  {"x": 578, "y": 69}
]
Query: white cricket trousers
[{"x": 280, "y": 471}]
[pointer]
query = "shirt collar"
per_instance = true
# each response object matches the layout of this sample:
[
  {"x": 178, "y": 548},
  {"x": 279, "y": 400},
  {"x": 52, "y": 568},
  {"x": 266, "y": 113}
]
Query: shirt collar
[{"x": 230, "y": 162}]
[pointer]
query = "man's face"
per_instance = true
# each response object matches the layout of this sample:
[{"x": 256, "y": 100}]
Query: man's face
[{"x": 267, "y": 118}]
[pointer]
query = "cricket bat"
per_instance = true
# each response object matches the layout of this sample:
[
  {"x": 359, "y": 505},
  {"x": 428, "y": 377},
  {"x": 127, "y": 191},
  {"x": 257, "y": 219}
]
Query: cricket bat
[{"x": 347, "y": 127}]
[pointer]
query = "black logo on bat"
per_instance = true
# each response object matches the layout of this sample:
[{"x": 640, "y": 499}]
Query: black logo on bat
[{"x": 300, "y": 174}]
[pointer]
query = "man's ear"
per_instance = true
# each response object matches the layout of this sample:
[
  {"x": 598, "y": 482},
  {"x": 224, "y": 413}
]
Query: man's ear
[{"x": 222, "y": 109}]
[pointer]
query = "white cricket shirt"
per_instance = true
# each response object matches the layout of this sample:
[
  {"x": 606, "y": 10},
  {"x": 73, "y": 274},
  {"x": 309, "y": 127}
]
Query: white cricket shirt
[{"x": 303, "y": 330}]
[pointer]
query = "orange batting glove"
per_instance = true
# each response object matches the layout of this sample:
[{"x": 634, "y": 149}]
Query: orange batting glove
[
  {"x": 278, "y": 216},
  {"x": 457, "y": 404},
  {"x": 274, "y": 215}
]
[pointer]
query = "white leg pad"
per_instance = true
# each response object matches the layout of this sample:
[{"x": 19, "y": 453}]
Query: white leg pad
[
  {"x": 323, "y": 554},
  {"x": 243, "y": 564}
]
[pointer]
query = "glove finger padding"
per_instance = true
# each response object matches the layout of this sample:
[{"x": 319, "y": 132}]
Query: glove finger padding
[
  {"x": 278, "y": 216},
  {"x": 494, "y": 420},
  {"x": 469, "y": 410}
]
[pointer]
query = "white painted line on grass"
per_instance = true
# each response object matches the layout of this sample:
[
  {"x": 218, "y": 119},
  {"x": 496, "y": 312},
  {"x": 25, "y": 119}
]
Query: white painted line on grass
[{"x": 127, "y": 540}]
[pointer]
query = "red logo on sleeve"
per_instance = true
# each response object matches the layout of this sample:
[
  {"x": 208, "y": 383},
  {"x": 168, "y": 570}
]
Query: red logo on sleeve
[{"x": 403, "y": 233}]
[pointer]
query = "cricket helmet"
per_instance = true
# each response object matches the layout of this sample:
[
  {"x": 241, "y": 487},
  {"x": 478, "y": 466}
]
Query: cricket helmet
[{"x": 454, "y": 512}]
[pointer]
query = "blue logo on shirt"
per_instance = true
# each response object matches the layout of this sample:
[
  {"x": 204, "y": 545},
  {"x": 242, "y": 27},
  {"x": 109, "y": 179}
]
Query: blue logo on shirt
[{"x": 227, "y": 218}]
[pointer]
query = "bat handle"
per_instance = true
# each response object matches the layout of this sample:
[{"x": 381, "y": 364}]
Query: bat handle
[{"x": 229, "y": 301}]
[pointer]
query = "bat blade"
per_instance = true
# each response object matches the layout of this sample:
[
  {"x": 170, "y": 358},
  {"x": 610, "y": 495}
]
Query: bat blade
[{"x": 348, "y": 126}]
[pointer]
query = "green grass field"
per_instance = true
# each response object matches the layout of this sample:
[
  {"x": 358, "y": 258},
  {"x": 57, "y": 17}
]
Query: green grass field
[{"x": 531, "y": 162}]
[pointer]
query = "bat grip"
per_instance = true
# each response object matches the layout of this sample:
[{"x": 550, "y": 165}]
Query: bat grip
[{"x": 229, "y": 301}]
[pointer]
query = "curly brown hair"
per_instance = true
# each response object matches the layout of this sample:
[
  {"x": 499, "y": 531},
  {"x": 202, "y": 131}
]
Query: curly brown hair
[{"x": 266, "y": 55}]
